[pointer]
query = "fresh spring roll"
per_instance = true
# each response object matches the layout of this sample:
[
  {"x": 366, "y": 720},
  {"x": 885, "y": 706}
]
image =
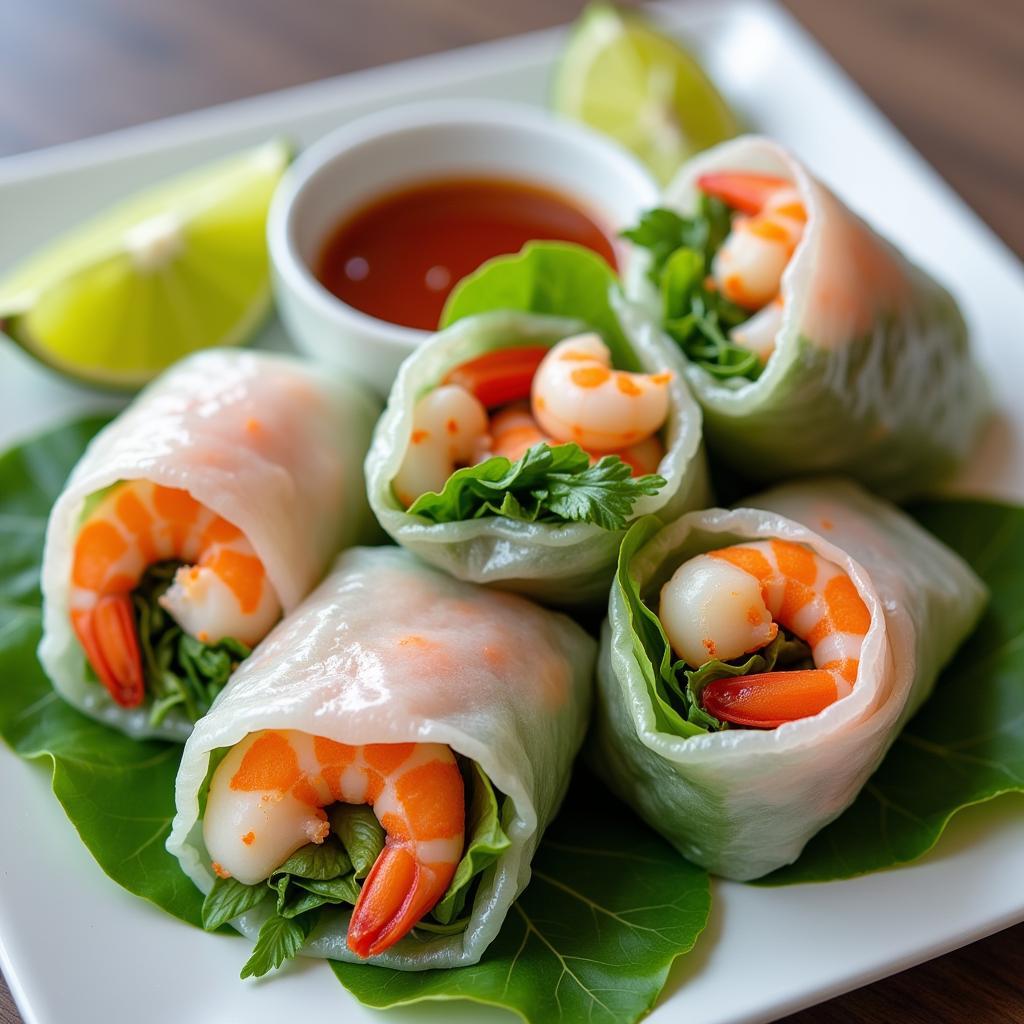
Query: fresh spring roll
[
  {"x": 454, "y": 711},
  {"x": 475, "y": 466},
  {"x": 757, "y": 664},
  {"x": 812, "y": 344},
  {"x": 208, "y": 508}
]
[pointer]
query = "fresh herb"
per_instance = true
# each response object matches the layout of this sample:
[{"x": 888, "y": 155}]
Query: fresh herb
[
  {"x": 229, "y": 899},
  {"x": 675, "y": 687},
  {"x": 547, "y": 485},
  {"x": 280, "y": 940},
  {"x": 694, "y": 313},
  {"x": 664, "y": 231},
  {"x": 181, "y": 671}
]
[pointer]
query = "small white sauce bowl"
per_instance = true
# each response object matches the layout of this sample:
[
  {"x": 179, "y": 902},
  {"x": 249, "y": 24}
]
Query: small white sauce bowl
[{"x": 386, "y": 151}]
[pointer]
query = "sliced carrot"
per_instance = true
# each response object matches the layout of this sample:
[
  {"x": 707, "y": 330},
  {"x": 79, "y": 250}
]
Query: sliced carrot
[
  {"x": 769, "y": 699},
  {"x": 744, "y": 192},
  {"x": 499, "y": 377}
]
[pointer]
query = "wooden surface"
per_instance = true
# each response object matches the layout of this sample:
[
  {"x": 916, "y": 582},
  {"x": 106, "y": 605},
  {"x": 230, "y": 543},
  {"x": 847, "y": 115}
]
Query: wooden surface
[{"x": 949, "y": 74}]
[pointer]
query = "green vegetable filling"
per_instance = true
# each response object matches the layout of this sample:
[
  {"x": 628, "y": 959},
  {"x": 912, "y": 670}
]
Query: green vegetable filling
[
  {"x": 181, "y": 671},
  {"x": 675, "y": 688},
  {"x": 547, "y": 485},
  {"x": 696, "y": 317},
  {"x": 332, "y": 873}
]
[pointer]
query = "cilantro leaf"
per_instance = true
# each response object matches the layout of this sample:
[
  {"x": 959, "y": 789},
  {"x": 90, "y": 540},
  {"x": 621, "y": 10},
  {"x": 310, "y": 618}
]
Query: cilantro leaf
[
  {"x": 280, "y": 939},
  {"x": 548, "y": 484}
]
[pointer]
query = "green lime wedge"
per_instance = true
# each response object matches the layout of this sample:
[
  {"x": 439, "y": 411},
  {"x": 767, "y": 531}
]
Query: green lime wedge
[
  {"x": 622, "y": 77},
  {"x": 180, "y": 267}
]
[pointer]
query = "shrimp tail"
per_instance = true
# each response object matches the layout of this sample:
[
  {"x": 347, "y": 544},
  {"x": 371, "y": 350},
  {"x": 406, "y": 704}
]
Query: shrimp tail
[
  {"x": 107, "y": 634},
  {"x": 397, "y": 892},
  {"x": 770, "y": 699}
]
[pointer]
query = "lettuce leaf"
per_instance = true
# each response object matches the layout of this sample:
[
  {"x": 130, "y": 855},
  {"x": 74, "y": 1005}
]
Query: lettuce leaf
[
  {"x": 547, "y": 485},
  {"x": 553, "y": 278}
]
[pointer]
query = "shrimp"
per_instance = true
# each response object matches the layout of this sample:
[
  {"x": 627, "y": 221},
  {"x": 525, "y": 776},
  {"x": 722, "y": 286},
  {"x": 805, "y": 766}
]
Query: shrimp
[
  {"x": 730, "y": 602},
  {"x": 266, "y": 800},
  {"x": 222, "y": 591},
  {"x": 749, "y": 265},
  {"x": 514, "y": 431},
  {"x": 577, "y": 396},
  {"x": 449, "y": 428}
]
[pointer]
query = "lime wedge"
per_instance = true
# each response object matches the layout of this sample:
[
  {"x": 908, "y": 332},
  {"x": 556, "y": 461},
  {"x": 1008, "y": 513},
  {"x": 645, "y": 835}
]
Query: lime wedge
[
  {"x": 624, "y": 78},
  {"x": 180, "y": 267}
]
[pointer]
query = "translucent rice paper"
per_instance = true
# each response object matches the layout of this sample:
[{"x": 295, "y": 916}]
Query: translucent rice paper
[
  {"x": 872, "y": 374},
  {"x": 389, "y": 650},
  {"x": 269, "y": 442},
  {"x": 743, "y": 802},
  {"x": 565, "y": 564}
]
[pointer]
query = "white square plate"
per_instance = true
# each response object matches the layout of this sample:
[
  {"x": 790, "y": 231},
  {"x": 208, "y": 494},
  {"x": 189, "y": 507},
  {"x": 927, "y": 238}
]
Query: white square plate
[{"x": 74, "y": 946}]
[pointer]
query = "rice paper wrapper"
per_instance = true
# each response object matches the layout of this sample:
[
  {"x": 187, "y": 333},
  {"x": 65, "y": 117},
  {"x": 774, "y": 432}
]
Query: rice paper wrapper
[
  {"x": 743, "y": 802},
  {"x": 267, "y": 441},
  {"x": 872, "y": 374},
  {"x": 390, "y": 650},
  {"x": 563, "y": 564}
]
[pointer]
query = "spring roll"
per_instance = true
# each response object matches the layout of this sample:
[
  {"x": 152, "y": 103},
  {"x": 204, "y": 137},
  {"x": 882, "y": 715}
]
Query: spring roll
[
  {"x": 205, "y": 510},
  {"x": 813, "y": 345},
  {"x": 757, "y": 663},
  {"x": 455, "y": 470},
  {"x": 428, "y": 698}
]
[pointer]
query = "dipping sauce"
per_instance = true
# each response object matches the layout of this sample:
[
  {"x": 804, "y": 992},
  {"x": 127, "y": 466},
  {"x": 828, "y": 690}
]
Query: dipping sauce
[{"x": 398, "y": 257}]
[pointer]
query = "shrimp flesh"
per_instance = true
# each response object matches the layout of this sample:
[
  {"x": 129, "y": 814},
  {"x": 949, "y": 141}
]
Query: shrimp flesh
[
  {"x": 514, "y": 431},
  {"x": 577, "y": 396},
  {"x": 730, "y": 602},
  {"x": 266, "y": 800},
  {"x": 749, "y": 265},
  {"x": 221, "y": 591},
  {"x": 449, "y": 429}
]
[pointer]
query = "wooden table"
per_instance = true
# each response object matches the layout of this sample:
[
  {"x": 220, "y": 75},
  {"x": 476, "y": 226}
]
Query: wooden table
[{"x": 949, "y": 74}]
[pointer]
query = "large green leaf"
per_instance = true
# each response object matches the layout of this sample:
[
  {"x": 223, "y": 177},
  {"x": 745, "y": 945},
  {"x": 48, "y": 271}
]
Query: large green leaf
[
  {"x": 118, "y": 793},
  {"x": 609, "y": 908},
  {"x": 966, "y": 744}
]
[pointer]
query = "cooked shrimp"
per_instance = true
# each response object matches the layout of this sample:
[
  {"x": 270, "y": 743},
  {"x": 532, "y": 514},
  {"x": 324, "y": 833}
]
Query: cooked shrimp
[
  {"x": 749, "y": 265},
  {"x": 730, "y": 602},
  {"x": 222, "y": 591},
  {"x": 514, "y": 431},
  {"x": 577, "y": 396},
  {"x": 266, "y": 800},
  {"x": 449, "y": 429}
]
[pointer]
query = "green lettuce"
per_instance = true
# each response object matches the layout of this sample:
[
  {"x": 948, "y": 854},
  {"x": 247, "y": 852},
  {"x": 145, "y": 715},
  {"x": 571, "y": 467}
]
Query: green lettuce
[
  {"x": 547, "y": 485},
  {"x": 696, "y": 317},
  {"x": 180, "y": 671},
  {"x": 553, "y": 278}
]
